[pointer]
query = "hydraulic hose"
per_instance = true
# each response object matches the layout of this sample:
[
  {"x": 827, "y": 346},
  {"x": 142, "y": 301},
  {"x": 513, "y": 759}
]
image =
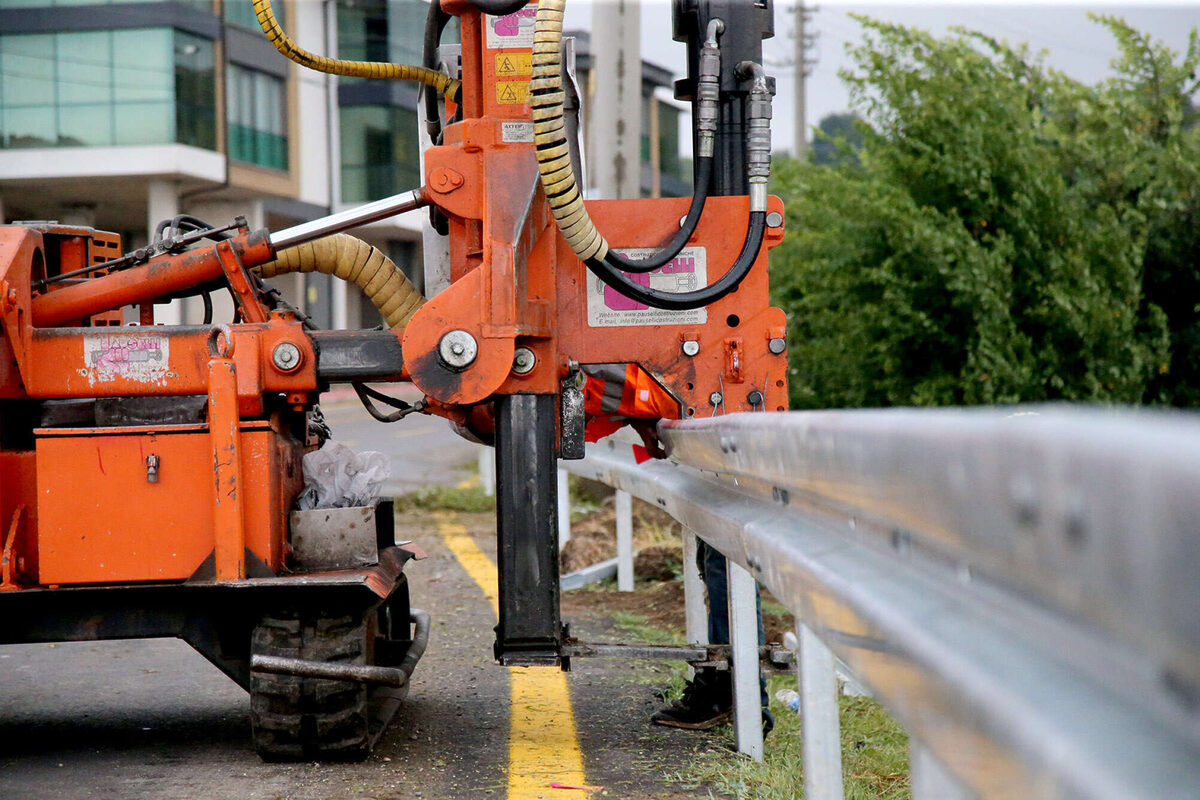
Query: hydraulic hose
[
  {"x": 355, "y": 261},
  {"x": 566, "y": 201},
  {"x": 355, "y": 69}
]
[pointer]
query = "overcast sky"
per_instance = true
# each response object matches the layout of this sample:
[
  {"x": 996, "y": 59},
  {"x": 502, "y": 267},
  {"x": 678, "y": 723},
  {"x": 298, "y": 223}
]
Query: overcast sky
[{"x": 1081, "y": 48}]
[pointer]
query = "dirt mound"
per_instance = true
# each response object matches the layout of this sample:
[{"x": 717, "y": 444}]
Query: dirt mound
[{"x": 658, "y": 564}]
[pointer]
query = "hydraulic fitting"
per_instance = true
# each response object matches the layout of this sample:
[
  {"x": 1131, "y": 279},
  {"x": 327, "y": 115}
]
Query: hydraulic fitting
[
  {"x": 758, "y": 134},
  {"x": 708, "y": 90}
]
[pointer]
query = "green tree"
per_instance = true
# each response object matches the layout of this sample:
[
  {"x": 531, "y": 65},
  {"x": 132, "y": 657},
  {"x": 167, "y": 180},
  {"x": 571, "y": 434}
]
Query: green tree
[
  {"x": 1009, "y": 235},
  {"x": 838, "y": 140}
]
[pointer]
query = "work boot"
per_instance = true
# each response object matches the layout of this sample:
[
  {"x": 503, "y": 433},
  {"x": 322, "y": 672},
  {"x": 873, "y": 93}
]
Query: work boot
[{"x": 706, "y": 703}]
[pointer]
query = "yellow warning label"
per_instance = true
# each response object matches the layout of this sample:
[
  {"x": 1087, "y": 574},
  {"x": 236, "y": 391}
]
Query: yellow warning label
[
  {"x": 514, "y": 64},
  {"x": 512, "y": 93}
]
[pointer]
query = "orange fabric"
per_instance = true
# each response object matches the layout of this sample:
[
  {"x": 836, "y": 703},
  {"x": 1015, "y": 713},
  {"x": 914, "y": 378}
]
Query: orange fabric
[{"x": 642, "y": 398}]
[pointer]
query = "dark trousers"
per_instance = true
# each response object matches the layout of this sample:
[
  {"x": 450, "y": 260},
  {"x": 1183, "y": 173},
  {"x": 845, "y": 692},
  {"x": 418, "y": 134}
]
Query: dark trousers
[{"x": 714, "y": 569}]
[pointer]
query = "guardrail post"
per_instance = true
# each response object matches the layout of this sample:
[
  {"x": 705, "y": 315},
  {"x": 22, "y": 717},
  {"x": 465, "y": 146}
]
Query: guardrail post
[
  {"x": 624, "y": 508},
  {"x": 695, "y": 609},
  {"x": 487, "y": 470},
  {"x": 564, "y": 508},
  {"x": 743, "y": 635},
  {"x": 821, "y": 742},
  {"x": 929, "y": 779}
]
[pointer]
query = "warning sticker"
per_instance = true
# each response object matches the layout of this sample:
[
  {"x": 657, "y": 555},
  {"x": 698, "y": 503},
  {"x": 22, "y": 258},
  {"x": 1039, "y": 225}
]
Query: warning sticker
[
  {"x": 513, "y": 64},
  {"x": 512, "y": 132},
  {"x": 512, "y": 30},
  {"x": 687, "y": 272},
  {"x": 138, "y": 357},
  {"x": 512, "y": 93}
]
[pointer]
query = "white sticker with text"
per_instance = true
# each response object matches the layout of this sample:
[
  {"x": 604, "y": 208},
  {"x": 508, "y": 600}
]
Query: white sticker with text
[{"x": 687, "y": 272}]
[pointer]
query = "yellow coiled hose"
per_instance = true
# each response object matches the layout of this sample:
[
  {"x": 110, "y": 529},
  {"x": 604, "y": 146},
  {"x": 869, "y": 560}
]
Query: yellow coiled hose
[
  {"x": 355, "y": 69},
  {"x": 549, "y": 133},
  {"x": 353, "y": 260}
]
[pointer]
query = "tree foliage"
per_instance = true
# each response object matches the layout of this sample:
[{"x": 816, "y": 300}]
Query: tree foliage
[{"x": 1008, "y": 234}]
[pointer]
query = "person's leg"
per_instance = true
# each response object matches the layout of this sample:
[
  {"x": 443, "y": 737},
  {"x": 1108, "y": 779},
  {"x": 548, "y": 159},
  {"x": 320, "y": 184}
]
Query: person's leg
[{"x": 714, "y": 567}]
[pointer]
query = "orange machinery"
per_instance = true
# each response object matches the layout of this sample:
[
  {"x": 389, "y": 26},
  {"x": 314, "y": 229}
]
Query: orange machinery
[{"x": 147, "y": 472}]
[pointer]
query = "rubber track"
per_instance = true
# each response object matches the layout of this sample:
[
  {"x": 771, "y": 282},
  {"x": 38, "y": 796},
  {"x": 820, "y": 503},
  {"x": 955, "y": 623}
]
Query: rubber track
[{"x": 308, "y": 718}]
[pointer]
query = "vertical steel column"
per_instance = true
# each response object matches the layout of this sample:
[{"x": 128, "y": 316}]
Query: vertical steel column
[
  {"x": 624, "y": 509},
  {"x": 930, "y": 780},
  {"x": 527, "y": 525},
  {"x": 695, "y": 609},
  {"x": 743, "y": 635},
  {"x": 821, "y": 744},
  {"x": 487, "y": 470}
]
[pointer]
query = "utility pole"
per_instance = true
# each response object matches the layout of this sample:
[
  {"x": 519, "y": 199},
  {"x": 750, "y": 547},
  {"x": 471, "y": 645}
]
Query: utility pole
[
  {"x": 804, "y": 65},
  {"x": 614, "y": 149}
]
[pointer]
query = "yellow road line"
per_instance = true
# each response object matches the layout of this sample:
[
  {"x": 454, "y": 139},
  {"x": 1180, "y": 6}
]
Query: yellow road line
[{"x": 543, "y": 746}]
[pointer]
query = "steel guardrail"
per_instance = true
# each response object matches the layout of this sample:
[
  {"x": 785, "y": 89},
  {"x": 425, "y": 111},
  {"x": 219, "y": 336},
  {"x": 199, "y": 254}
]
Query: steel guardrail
[{"x": 1020, "y": 587}]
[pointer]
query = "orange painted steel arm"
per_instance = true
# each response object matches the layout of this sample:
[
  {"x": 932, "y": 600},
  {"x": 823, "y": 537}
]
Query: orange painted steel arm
[
  {"x": 224, "y": 430},
  {"x": 160, "y": 276}
]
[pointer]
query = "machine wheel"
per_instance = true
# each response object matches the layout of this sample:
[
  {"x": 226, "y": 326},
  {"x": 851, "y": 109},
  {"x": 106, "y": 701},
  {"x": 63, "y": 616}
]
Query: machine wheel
[{"x": 296, "y": 719}]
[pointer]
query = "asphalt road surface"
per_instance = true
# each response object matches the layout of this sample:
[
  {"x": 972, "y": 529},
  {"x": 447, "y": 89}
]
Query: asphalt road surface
[{"x": 152, "y": 719}]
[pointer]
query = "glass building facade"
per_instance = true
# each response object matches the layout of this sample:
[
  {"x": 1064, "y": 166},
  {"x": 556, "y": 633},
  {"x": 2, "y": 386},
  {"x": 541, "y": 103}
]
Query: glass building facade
[
  {"x": 99, "y": 88},
  {"x": 257, "y": 108},
  {"x": 380, "y": 144}
]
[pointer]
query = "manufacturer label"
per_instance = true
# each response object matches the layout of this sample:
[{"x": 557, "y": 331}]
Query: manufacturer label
[
  {"x": 511, "y": 30},
  {"x": 512, "y": 93},
  {"x": 688, "y": 271},
  {"x": 511, "y": 132},
  {"x": 138, "y": 357},
  {"x": 513, "y": 64}
]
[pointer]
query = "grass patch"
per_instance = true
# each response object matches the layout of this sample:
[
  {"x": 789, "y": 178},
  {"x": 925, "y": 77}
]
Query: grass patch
[
  {"x": 874, "y": 756},
  {"x": 470, "y": 499},
  {"x": 639, "y": 628}
]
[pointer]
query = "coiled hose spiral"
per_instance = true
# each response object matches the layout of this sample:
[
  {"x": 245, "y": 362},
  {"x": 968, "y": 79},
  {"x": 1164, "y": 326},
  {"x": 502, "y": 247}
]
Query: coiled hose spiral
[{"x": 353, "y": 260}]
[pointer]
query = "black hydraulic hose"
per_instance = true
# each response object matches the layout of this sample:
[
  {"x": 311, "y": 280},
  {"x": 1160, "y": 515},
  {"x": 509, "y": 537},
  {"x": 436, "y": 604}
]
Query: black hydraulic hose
[
  {"x": 435, "y": 23},
  {"x": 499, "y": 8},
  {"x": 685, "y": 301},
  {"x": 702, "y": 178}
]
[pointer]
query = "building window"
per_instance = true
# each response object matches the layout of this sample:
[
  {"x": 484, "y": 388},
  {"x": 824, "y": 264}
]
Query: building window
[
  {"x": 374, "y": 30},
  {"x": 102, "y": 88},
  {"x": 241, "y": 12},
  {"x": 380, "y": 152},
  {"x": 257, "y": 117}
]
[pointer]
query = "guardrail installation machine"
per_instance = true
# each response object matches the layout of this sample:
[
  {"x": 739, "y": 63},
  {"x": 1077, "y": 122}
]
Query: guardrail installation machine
[{"x": 148, "y": 473}]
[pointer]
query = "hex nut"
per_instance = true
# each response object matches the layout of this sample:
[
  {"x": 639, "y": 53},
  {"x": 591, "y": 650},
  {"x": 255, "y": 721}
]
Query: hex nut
[
  {"x": 286, "y": 357},
  {"x": 458, "y": 350},
  {"x": 523, "y": 361},
  {"x": 715, "y": 399},
  {"x": 755, "y": 398}
]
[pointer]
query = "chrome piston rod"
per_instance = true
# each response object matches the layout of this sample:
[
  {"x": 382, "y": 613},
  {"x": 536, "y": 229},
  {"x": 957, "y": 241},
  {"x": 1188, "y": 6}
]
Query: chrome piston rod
[{"x": 350, "y": 218}]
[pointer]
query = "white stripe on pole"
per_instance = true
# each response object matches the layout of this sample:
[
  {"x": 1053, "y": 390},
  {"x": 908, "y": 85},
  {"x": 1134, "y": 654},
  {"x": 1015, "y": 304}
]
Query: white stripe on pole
[{"x": 564, "y": 509}]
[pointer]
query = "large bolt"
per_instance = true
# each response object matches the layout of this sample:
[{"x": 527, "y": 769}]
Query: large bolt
[
  {"x": 777, "y": 346},
  {"x": 458, "y": 350},
  {"x": 523, "y": 361},
  {"x": 715, "y": 399},
  {"x": 691, "y": 347},
  {"x": 286, "y": 356},
  {"x": 755, "y": 398}
]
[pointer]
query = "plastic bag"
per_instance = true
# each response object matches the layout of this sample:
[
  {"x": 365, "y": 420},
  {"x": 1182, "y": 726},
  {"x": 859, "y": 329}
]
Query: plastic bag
[{"x": 337, "y": 477}]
